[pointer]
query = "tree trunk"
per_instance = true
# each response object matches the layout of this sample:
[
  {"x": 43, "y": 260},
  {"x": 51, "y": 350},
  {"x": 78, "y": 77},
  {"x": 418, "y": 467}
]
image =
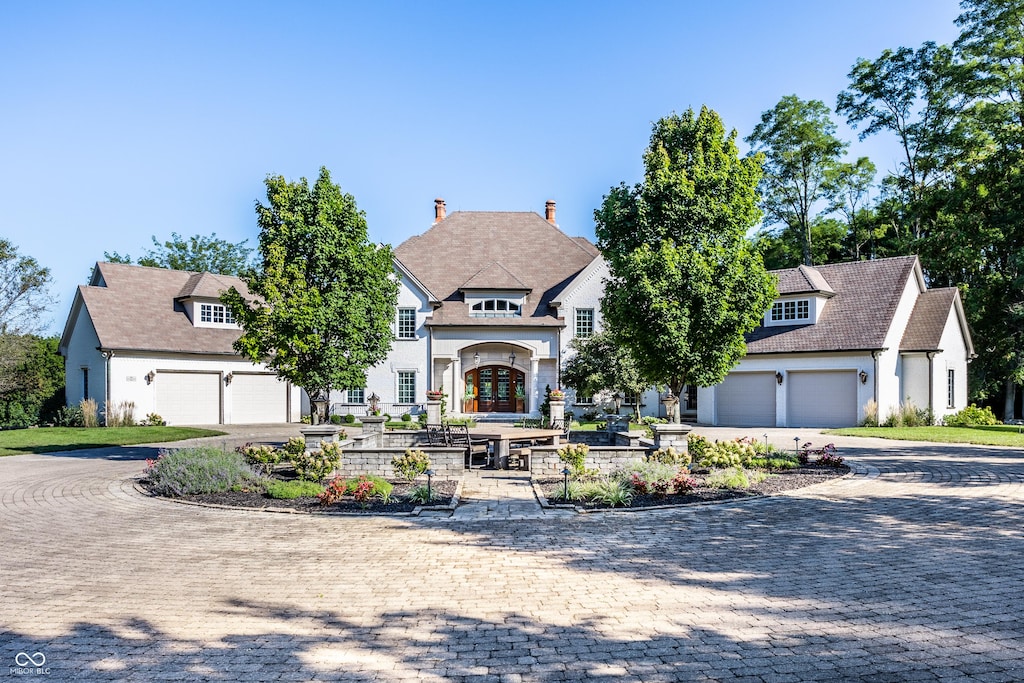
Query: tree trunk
[{"x": 1010, "y": 400}]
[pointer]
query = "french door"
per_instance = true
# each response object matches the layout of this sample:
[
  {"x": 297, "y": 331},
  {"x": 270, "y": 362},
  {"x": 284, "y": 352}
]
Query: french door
[{"x": 494, "y": 389}]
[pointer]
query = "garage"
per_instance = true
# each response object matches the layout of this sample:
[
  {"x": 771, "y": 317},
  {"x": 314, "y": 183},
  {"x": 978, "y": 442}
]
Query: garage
[
  {"x": 258, "y": 398},
  {"x": 746, "y": 399},
  {"x": 822, "y": 398},
  {"x": 188, "y": 398}
]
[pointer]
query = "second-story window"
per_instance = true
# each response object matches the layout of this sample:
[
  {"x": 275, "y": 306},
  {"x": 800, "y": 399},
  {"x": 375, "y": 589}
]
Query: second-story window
[
  {"x": 406, "y": 323},
  {"x": 584, "y": 322},
  {"x": 215, "y": 313}
]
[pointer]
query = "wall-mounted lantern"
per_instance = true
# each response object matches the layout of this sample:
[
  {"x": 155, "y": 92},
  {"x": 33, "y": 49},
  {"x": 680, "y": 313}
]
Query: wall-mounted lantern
[
  {"x": 228, "y": 377},
  {"x": 863, "y": 377},
  {"x": 150, "y": 376},
  {"x": 512, "y": 359},
  {"x": 476, "y": 358},
  {"x": 778, "y": 378}
]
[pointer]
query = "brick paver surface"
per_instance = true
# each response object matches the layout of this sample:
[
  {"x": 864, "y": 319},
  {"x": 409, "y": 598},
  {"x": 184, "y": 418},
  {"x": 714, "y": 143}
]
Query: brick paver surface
[{"x": 909, "y": 571}]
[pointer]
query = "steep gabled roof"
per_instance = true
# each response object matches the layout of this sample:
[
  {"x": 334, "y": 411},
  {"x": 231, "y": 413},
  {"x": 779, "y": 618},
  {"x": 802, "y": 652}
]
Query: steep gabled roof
[
  {"x": 856, "y": 318},
  {"x": 535, "y": 255},
  {"x": 924, "y": 330},
  {"x": 138, "y": 309},
  {"x": 803, "y": 280}
]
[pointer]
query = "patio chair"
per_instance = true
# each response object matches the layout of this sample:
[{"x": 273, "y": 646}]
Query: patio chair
[
  {"x": 437, "y": 436},
  {"x": 458, "y": 436}
]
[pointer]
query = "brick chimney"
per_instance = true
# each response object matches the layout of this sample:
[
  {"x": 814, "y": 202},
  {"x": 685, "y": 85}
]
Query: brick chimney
[
  {"x": 549, "y": 211},
  {"x": 439, "y": 212}
]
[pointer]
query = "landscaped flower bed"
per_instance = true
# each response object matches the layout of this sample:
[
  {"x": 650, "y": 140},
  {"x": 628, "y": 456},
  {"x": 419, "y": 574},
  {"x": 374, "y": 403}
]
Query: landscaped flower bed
[{"x": 253, "y": 476}]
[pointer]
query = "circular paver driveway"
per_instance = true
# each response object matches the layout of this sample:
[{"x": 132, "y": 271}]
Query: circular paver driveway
[{"x": 911, "y": 570}]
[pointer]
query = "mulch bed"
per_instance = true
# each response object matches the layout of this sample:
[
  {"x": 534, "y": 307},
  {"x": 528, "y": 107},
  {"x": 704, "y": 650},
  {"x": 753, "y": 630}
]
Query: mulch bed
[
  {"x": 783, "y": 480},
  {"x": 445, "y": 490}
]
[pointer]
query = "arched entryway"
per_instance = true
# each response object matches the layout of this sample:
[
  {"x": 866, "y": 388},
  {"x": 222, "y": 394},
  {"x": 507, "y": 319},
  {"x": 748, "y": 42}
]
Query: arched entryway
[{"x": 495, "y": 389}]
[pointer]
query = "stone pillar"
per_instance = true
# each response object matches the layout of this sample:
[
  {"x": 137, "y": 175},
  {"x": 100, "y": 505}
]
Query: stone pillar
[
  {"x": 314, "y": 434},
  {"x": 373, "y": 429},
  {"x": 433, "y": 412},
  {"x": 557, "y": 411},
  {"x": 671, "y": 435}
]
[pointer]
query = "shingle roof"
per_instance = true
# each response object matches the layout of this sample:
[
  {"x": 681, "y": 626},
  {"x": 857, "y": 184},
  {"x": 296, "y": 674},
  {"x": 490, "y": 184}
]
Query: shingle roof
[
  {"x": 857, "y": 317},
  {"x": 803, "y": 280},
  {"x": 924, "y": 331},
  {"x": 138, "y": 309},
  {"x": 494, "y": 276},
  {"x": 534, "y": 253}
]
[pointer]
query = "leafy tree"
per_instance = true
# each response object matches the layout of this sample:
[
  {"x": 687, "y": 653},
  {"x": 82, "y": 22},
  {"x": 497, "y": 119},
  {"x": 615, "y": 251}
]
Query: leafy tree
[
  {"x": 24, "y": 299},
  {"x": 850, "y": 185},
  {"x": 196, "y": 254},
  {"x": 800, "y": 150},
  {"x": 685, "y": 283},
  {"x": 600, "y": 364},
  {"x": 36, "y": 390},
  {"x": 325, "y": 295},
  {"x": 784, "y": 248}
]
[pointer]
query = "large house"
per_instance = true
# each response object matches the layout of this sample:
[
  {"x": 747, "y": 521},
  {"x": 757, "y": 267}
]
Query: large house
[{"x": 487, "y": 306}]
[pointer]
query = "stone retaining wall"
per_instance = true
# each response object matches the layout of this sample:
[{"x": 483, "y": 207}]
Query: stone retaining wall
[
  {"x": 544, "y": 460},
  {"x": 447, "y": 463}
]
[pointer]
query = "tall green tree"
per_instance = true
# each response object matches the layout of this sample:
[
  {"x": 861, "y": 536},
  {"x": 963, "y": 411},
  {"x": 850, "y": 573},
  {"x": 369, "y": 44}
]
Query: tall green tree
[
  {"x": 850, "y": 189},
  {"x": 800, "y": 148},
  {"x": 685, "y": 282},
  {"x": 325, "y": 296},
  {"x": 24, "y": 300},
  {"x": 197, "y": 254},
  {"x": 36, "y": 388},
  {"x": 599, "y": 364}
]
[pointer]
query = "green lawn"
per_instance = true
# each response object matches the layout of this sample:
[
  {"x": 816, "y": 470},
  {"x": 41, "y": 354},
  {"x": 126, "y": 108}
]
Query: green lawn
[
  {"x": 50, "y": 439},
  {"x": 996, "y": 435}
]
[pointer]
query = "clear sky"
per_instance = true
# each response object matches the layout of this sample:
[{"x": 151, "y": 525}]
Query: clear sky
[{"x": 122, "y": 120}]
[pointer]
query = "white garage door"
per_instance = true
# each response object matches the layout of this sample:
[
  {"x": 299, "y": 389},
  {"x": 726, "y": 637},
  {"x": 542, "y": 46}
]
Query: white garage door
[
  {"x": 188, "y": 398},
  {"x": 746, "y": 399},
  {"x": 822, "y": 399},
  {"x": 257, "y": 399}
]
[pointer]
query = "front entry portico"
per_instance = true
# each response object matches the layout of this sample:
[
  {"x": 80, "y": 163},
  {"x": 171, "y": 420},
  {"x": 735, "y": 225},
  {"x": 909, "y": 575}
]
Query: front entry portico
[{"x": 495, "y": 389}]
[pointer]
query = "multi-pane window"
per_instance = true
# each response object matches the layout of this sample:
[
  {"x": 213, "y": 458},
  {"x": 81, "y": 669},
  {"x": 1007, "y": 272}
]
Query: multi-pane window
[
  {"x": 85, "y": 383},
  {"x": 406, "y": 387},
  {"x": 951, "y": 388},
  {"x": 584, "y": 322},
  {"x": 215, "y": 313},
  {"x": 495, "y": 308},
  {"x": 406, "y": 323},
  {"x": 791, "y": 310},
  {"x": 357, "y": 395}
]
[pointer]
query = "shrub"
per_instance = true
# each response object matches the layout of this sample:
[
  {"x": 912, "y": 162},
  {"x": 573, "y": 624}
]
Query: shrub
[
  {"x": 777, "y": 463},
  {"x": 295, "y": 446},
  {"x": 826, "y": 455},
  {"x": 908, "y": 415},
  {"x": 362, "y": 489},
  {"x": 422, "y": 495},
  {"x": 670, "y": 456},
  {"x": 731, "y": 478},
  {"x": 683, "y": 483},
  {"x": 261, "y": 458},
  {"x": 336, "y": 419},
  {"x": 574, "y": 455},
  {"x": 316, "y": 465},
  {"x": 69, "y": 416},
  {"x": 154, "y": 420},
  {"x": 90, "y": 412},
  {"x": 120, "y": 415},
  {"x": 723, "y": 454},
  {"x": 648, "y": 476},
  {"x": 406, "y": 417},
  {"x": 697, "y": 445},
  {"x": 411, "y": 465},
  {"x": 350, "y": 419},
  {"x": 288, "y": 490},
  {"x": 870, "y": 414},
  {"x": 203, "y": 469},
  {"x": 609, "y": 492},
  {"x": 972, "y": 416}
]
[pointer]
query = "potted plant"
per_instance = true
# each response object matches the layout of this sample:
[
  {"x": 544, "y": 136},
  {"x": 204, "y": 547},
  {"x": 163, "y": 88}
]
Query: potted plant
[
  {"x": 557, "y": 395},
  {"x": 435, "y": 395},
  {"x": 467, "y": 401},
  {"x": 520, "y": 399}
]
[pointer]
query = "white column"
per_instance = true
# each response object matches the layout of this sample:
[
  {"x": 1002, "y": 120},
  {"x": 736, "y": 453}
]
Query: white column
[
  {"x": 458, "y": 386},
  {"x": 535, "y": 399}
]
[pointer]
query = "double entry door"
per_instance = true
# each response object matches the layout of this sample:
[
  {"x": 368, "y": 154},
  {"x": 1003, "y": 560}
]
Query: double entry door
[{"x": 494, "y": 389}]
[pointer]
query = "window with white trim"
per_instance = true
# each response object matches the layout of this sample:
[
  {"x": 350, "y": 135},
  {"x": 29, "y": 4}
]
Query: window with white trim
[
  {"x": 215, "y": 313},
  {"x": 356, "y": 395},
  {"x": 406, "y": 386},
  {"x": 951, "y": 388},
  {"x": 584, "y": 322},
  {"x": 495, "y": 308},
  {"x": 791, "y": 310},
  {"x": 406, "y": 323}
]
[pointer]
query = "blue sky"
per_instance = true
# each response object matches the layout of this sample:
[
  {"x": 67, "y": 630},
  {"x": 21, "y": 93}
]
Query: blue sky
[{"x": 124, "y": 120}]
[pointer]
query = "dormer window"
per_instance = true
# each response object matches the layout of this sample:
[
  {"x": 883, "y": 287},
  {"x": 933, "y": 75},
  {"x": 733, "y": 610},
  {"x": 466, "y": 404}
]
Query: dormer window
[
  {"x": 495, "y": 308},
  {"x": 215, "y": 313},
  {"x": 791, "y": 310}
]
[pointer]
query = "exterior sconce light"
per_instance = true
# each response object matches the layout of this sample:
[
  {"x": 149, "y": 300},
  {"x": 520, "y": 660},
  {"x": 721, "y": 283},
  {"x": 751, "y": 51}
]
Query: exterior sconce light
[
  {"x": 228, "y": 377},
  {"x": 150, "y": 376},
  {"x": 863, "y": 377},
  {"x": 512, "y": 359},
  {"x": 778, "y": 377},
  {"x": 476, "y": 358}
]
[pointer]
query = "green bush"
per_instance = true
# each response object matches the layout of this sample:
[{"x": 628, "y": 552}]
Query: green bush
[
  {"x": 777, "y": 463},
  {"x": 972, "y": 416},
  {"x": 406, "y": 417},
  {"x": 350, "y": 419},
  {"x": 411, "y": 465},
  {"x": 670, "y": 456},
  {"x": 316, "y": 465},
  {"x": 261, "y": 458},
  {"x": 723, "y": 454},
  {"x": 381, "y": 487},
  {"x": 574, "y": 455},
  {"x": 909, "y": 415},
  {"x": 422, "y": 495},
  {"x": 203, "y": 469},
  {"x": 336, "y": 419},
  {"x": 288, "y": 490},
  {"x": 697, "y": 445},
  {"x": 731, "y": 478}
]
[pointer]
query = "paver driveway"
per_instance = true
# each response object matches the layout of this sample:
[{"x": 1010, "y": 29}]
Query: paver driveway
[{"x": 911, "y": 570}]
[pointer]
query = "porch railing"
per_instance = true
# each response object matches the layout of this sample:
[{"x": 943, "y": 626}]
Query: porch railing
[{"x": 395, "y": 410}]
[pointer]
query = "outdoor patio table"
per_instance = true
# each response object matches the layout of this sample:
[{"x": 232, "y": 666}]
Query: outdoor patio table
[{"x": 501, "y": 437}]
